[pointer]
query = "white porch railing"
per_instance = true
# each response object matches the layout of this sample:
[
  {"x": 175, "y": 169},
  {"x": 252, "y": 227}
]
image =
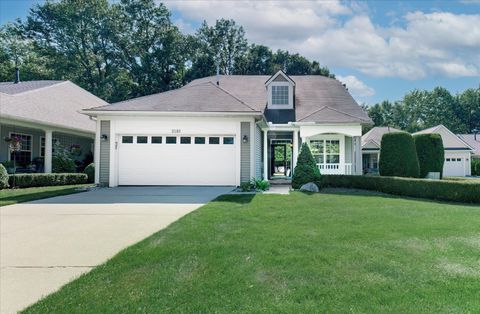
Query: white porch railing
[{"x": 335, "y": 168}]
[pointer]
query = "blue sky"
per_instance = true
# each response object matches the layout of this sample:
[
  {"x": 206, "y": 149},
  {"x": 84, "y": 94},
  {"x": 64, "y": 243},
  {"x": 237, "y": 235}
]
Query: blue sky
[{"x": 380, "y": 49}]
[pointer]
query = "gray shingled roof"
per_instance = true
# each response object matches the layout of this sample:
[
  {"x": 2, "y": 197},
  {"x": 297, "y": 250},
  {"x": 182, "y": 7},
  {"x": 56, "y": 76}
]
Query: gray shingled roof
[
  {"x": 203, "y": 97},
  {"x": 375, "y": 135},
  {"x": 470, "y": 140},
  {"x": 57, "y": 104},
  {"x": 317, "y": 98},
  {"x": 11, "y": 88}
]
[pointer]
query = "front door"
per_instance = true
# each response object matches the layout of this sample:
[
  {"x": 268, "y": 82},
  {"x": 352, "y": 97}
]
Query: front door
[{"x": 281, "y": 159}]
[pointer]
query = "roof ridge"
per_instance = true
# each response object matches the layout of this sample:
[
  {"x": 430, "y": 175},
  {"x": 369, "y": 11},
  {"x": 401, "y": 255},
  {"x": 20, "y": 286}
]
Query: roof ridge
[
  {"x": 339, "y": 111},
  {"x": 235, "y": 97},
  {"x": 58, "y": 82},
  {"x": 345, "y": 113},
  {"x": 311, "y": 114}
]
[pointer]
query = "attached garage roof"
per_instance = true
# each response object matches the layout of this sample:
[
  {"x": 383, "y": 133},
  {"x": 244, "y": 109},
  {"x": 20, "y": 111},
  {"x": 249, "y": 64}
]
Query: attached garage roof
[
  {"x": 449, "y": 139},
  {"x": 317, "y": 99}
]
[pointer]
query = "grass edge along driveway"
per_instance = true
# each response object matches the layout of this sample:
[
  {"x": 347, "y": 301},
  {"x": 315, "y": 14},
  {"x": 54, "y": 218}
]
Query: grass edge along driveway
[
  {"x": 293, "y": 253},
  {"x": 14, "y": 196}
]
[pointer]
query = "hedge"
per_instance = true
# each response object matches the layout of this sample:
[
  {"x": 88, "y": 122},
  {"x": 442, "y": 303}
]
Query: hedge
[
  {"x": 445, "y": 190},
  {"x": 306, "y": 169},
  {"x": 430, "y": 152},
  {"x": 46, "y": 179},
  {"x": 398, "y": 156},
  {"x": 475, "y": 167},
  {"x": 3, "y": 177}
]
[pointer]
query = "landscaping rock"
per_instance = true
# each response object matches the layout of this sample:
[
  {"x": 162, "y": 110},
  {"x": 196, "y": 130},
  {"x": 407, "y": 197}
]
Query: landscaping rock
[{"x": 310, "y": 187}]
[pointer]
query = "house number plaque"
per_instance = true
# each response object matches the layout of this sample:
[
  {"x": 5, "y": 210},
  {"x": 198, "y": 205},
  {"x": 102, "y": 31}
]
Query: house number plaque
[{"x": 175, "y": 131}]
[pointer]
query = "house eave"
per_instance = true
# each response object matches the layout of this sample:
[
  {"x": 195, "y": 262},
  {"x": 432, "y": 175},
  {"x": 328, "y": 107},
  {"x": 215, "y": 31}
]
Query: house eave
[{"x": 95, "y": 113}]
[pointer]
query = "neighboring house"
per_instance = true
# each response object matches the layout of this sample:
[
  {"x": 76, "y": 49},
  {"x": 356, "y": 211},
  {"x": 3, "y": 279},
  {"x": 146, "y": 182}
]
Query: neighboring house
[
  {"x": 224, "y": 130},
  {"x": 457, "y": 151},
  {"x": 41, "y": 114},
  {"x": 473, "y": 140},
  {"x": 371, "y": 142}
]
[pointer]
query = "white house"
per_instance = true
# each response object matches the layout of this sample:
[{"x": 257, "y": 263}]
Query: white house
[
  {"x": 457, "y": 151},
  {"x": 224, "y": 130}
]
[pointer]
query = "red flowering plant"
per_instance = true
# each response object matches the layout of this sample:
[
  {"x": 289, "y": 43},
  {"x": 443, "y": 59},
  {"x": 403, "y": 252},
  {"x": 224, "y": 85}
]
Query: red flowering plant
[{"x": 15, "y": 143}]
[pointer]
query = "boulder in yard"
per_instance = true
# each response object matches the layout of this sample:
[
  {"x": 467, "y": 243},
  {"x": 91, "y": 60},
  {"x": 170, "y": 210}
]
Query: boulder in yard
[{"x": 310, "y": 187}]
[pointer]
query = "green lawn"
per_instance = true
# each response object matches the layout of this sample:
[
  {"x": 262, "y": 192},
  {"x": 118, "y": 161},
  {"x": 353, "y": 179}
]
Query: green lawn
[
  {"x": 13, "y": 196},
  {"x": 293, "y": 253}
]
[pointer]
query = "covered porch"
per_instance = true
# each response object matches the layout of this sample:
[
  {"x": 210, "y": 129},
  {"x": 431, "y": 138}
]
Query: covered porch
[
  {"x": 336, "y": 149},
  {"x": 37, "y": 142}
]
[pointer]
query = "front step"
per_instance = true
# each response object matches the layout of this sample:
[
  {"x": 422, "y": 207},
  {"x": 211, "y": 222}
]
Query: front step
[{"x": 280, "y": 181}]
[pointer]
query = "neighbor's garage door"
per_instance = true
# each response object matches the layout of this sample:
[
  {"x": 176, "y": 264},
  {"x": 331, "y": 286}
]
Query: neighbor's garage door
[
  {"x": 454, "y": 166},
  {"x": 176, "y": 160}
]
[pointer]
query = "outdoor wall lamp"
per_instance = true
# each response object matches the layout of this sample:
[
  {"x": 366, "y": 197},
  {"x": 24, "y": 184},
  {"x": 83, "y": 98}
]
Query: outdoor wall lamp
[
  {"x": 104, "y": 137},
  {"x": 245, "y": 139}
]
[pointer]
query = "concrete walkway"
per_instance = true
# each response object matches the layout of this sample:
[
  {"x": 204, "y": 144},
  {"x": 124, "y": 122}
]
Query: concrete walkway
[{"x": 47, "y": 243}]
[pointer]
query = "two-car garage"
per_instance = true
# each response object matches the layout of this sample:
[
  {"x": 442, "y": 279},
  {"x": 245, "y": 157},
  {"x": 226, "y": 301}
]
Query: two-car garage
[{"x": 193, "y": 159}]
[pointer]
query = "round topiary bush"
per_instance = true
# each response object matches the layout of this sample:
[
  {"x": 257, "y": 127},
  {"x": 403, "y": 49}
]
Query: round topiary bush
[
  {"x": 306, "y": 169},
  {"x": 430, "y": 152},
  {"x": 90, "y": 172},
  {"x": 3, "y": 177},
  {"x": 398, "y": 156}
]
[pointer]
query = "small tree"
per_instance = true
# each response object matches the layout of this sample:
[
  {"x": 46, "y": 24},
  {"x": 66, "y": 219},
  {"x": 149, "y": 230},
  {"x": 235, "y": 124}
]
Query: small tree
[
  {"x": 398, "y": 156},
  {"x": 3, "y": 177},
  {"x": 62, "y": 160},
  {"x": 90, "y": 172},
  {"x": 306, "y": 169},
  {"x": 430, "y": 152}
]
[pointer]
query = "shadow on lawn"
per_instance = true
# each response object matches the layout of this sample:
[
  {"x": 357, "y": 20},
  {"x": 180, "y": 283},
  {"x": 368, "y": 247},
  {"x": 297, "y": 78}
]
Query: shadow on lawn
[{"x": 235, "y": 198}]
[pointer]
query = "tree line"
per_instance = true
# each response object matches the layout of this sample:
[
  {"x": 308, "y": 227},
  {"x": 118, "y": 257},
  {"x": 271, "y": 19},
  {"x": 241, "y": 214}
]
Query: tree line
[
  {"x": 421, "y": 109},
  {"x": 131, "y": 48}
]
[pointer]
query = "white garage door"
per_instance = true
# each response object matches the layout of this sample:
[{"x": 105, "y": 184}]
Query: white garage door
[
  {"x": 454, "y": 166},
  {"x": 176, "y": 160}
]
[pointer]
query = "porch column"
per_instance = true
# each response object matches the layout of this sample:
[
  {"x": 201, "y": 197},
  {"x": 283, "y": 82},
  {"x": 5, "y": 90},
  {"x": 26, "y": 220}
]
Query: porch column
[
  {"x": 358, "y": 155},
  {"x": 265, "y": 154},
  {"x": 48, "y": 151},
  {"x": 295, "y": 150}
]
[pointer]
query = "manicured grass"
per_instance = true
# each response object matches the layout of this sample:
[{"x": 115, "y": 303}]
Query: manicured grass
[
  {"x": 298, "y": 253},
  {"x": 13, "y": 196}
]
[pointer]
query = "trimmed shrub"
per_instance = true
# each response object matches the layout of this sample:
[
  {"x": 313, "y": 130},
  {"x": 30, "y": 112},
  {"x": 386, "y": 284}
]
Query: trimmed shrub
[
  {"x": 306, "y": 169},
  {"x": 27, "y": 180},
  {"x": 467, "y": 191},
  {"x": 3, "y": 177},
  {"x": 90, "y": 172},
  {"x": 475, "y": 167},
  {"x": 430, "y": 153},
  {"x": 398, "y": 156}
]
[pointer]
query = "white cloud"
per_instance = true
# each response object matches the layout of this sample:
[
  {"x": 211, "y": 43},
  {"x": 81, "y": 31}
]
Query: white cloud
[
  {"x": 337, "y": 35},
  {"x": 356, "y": 87}
]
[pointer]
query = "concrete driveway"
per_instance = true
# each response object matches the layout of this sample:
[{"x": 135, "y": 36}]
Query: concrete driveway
[{"x": 47, "y": 243}]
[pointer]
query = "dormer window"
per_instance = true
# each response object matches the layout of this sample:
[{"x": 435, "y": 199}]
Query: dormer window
[
  {"x": 280, "y": 95},
  {"x": 280, "y": 91}
]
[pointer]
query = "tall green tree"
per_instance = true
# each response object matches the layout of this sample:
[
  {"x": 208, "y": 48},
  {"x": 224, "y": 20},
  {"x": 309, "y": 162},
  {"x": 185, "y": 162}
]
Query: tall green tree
[
  {"x": 17, "y": 51},
  {"x": 148, "y": 46},
  {"x": 76, "y": 36}
]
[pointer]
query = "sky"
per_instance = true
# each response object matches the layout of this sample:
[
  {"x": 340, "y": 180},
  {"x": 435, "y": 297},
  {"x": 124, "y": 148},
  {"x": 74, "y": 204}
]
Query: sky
[{"x": 380, "y": 49}]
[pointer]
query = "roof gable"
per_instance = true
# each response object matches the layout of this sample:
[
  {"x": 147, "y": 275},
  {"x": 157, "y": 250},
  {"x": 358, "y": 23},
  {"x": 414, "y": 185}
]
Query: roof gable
[
  {"x": 449, "y": 139},
  {"x": 279, "y": 76},
  {"x": 328, "y": 114}
]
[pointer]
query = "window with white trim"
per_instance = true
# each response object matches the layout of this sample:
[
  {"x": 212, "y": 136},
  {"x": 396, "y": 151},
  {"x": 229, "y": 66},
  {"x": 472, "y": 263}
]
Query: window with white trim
[
  {"x": 24, "y": 155},
  {"x": 325, "y": 151},
  {"x": 280, "y": 95}
]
